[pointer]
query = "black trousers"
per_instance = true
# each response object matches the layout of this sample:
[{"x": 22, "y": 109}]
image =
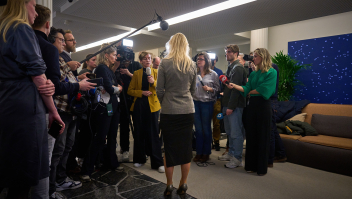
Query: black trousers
[
  {"x": 71, "y": 160},
  {"x": 257, "y": 123},
  {"x": 146, "y": 134},
  {"x": 276, "y": 146},
  {"x": 85, "y": 135},
  {"x": 125, "y": 125},
  {"x": 106, "y": 129}
]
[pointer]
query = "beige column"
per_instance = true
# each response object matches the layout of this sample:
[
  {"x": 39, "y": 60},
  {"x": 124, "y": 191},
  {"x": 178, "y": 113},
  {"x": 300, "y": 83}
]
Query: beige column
[{"x": 259, "y": 39}]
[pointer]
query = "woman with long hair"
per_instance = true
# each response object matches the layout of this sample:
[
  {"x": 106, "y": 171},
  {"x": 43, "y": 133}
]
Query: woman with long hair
[
  {"x": 105, "y": 115},
  {"x": 261, "y": 86},
  {"x": 89, "y": 66},
  {"x": 146, "y": 108},
  {"x": 175, "y": 87},
  {"x": 23, "y": 131},
  {"x": 207, "y": 88}
]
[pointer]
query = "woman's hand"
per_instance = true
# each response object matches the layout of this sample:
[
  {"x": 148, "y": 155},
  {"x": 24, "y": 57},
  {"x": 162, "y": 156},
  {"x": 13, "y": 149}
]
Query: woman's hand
[
  {"x": 126, "y": 71},
  {"x": 207, "y": 88},
  {"x": 230, "y": 85},
  {"x": 120, "y": 88},
  {"x": 47, "y": 89},
  {"x": 54, "y": 116},
  {"x": 83, "y": 76},
  {"x": 146, "y": 93},
  {"x": 151, "y": 79}
]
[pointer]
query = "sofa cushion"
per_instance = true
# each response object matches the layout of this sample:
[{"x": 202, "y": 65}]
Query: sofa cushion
[
  {"x": 299, "y": 117},
  {"x": 337, "y": 142},
  {"x": 338, "y": 126},
  {"x": 290, "y": 137}
]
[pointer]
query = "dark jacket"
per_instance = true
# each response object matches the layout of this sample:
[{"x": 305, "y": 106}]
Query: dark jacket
[
  {"x": 232, "y": 98},
  {"x": 125, "y": 80},
  {"x": 50, "y": 56},
  {"x": 296, "y": 128}
]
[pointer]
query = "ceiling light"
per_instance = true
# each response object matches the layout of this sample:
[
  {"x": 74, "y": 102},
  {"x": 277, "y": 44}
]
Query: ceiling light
[
  {"x": 212, "y": 55},
  {"x": 108, "y": 40},
  {"x": 202, "y": 12}
]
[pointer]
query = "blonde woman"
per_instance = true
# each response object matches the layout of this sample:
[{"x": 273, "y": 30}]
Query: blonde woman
[
  {"x": 175, "y": 87},
  {"x": 146, "y": 108},
  {"x": 257, "y": 115},
  {"x": 105, "y": 116},
  {"x": 23, "y": 131}
]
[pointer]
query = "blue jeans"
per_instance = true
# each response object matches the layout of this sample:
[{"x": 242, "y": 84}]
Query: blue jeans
[
  {"x": 235, "y": 132},
  {"x": 202, "y": 122}
]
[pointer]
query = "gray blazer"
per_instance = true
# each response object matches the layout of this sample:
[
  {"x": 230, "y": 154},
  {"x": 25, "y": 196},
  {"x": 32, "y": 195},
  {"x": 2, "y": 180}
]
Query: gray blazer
[{"x": 175, "y": 89}]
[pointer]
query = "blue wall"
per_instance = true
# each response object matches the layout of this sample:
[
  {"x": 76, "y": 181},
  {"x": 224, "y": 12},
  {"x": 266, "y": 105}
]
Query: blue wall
[{"x": 329, "y": 81}]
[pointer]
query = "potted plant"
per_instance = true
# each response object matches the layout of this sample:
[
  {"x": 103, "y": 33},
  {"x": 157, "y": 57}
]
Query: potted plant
[{"x": 288, "y": 67}]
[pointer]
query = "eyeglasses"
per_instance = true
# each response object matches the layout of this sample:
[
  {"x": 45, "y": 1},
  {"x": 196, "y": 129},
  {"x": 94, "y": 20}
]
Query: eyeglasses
[
  {"x": 73, "y": 40},
  {"x": 200, "y": 59},
  {"x": 60, "y": 39}
]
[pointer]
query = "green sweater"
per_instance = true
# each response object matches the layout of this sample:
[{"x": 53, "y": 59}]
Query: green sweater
[{"x": 264, "y": 83}]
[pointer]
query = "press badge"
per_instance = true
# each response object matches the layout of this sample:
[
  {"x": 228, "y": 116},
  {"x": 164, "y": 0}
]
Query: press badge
[{"x": 109, "y": 109}]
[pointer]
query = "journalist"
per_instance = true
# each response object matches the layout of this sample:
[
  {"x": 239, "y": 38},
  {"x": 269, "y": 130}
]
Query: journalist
[
  {"x": 257, "y": 115},
  {"x": 105, "y": 115},
  {"x": 207, "y": 89},
  {"x": 23, "y": 130}
]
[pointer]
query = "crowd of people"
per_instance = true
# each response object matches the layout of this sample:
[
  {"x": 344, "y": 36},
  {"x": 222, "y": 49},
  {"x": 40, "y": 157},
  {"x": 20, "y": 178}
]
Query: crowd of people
[{"x": 35, "y": 62}]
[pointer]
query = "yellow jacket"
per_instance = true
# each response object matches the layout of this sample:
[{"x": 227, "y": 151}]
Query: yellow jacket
[{"x": 135, "y": 89}]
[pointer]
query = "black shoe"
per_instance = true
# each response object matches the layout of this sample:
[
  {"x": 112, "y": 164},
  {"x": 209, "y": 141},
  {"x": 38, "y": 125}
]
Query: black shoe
[
  {"x": 217, "y": 147},
  {"x": 182, "y": 189},
  {"x": 168, "y": 190}
]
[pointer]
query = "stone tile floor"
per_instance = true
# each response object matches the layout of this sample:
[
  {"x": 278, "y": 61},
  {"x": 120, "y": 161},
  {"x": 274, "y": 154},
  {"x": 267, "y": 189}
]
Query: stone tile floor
[{"x": 128, "y": 183}]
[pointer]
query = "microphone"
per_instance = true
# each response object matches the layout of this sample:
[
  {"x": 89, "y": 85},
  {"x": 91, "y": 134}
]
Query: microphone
[
  {"x": 224, "y": 79},
  {"x": 163, "y": 24},
  {"x": 148, "y": 71},
  {"x": 220, "y": 116},
  {"x": 201, "y": 81}
]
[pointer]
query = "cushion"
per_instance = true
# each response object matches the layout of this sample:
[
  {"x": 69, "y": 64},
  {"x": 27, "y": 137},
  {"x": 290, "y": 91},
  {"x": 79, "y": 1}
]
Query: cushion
[
  {"x": 290, "y": 137},
  {"x": 338, "y": 126},
  {"x": 300, "y": 117},
  {"x": 337, "y": 142}
]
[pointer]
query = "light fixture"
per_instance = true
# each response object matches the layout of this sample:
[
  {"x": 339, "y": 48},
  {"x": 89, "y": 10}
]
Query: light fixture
[
  {"x": 202, "y": 12},
  {"x": 127, "y": 42},
  {"x": 212, "y": 55},
  {"x": 111, "y": 39}
]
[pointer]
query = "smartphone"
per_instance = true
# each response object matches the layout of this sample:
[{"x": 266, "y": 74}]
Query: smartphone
[
  {"x": 91, "y": 76},
  {"x": 55, "y": 129},
  {"x": 98, "y": 81}
]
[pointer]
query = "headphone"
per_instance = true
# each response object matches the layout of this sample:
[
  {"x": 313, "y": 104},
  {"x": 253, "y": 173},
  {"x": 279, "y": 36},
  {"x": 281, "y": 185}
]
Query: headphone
[{"x": 51, "y": 38}]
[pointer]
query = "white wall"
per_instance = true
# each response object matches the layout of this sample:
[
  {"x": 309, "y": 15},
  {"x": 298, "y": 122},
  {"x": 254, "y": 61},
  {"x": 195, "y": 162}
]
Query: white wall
[{"x": 279, "y": 36}]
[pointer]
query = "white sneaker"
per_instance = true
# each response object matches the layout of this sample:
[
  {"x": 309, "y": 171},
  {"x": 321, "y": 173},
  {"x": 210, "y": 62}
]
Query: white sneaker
[
  {"x": 119, "y": 168},
  {"x": 161, "y": 169},
  {"x": 225, "y": 157},
  {"x": 57, "y": 195},
  {"x": 126, "y": 156},
  {"x": 233, "y": 163},
  {"x": 68, "y": 184},
  {"x": 137, "y": 165}
]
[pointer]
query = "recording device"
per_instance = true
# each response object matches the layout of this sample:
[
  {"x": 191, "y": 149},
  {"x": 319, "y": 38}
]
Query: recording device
[
  {"x": 55, "y": 128},
  {"x": 224, "y": 79},
  {"x": 201, "y": 81},
  {"x": 125, "y": 51},
  {"x": 220, "y": 116},
  {"x": 91, "y": 75},
  {"x": 163, "y": 24},
  {"x": 98, "y": 81},
  {"x": 248, "y": 58}
]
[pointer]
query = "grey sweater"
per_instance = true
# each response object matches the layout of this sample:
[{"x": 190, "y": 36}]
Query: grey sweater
[
  {"x": 175, "y": 89},
  {"x": 211, "y": 80}
]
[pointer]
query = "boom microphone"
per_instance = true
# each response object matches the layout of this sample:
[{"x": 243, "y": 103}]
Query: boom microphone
[
  {"x": 163, "y": 24},
  {"x": 201, "y": 81},
  {"x": 224, "y": 79}
]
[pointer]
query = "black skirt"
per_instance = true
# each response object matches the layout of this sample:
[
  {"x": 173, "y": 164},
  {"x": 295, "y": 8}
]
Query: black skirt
[{"x": 177, "y": 137}]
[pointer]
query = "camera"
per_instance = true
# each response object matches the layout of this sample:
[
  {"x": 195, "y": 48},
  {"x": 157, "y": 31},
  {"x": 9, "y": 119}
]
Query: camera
[
  {"x": 125, "y": 52},
  {"x": 248, "y": 58}
]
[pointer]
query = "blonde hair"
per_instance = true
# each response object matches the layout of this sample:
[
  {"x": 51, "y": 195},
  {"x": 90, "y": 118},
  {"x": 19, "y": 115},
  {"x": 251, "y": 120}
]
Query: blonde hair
[
  {"x": 266, "y": 59},
  {"x": 207, "y": 62},
  {"x": 101, "y": 59},
  {"x": 15, "y": 12},
  {"x": 177, "y": 48},
  {"x": 143, "y": 54}
]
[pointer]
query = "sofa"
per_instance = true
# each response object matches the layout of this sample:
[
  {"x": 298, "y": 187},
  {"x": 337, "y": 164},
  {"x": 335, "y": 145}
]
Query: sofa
[{"x": 331, "y": 149}]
